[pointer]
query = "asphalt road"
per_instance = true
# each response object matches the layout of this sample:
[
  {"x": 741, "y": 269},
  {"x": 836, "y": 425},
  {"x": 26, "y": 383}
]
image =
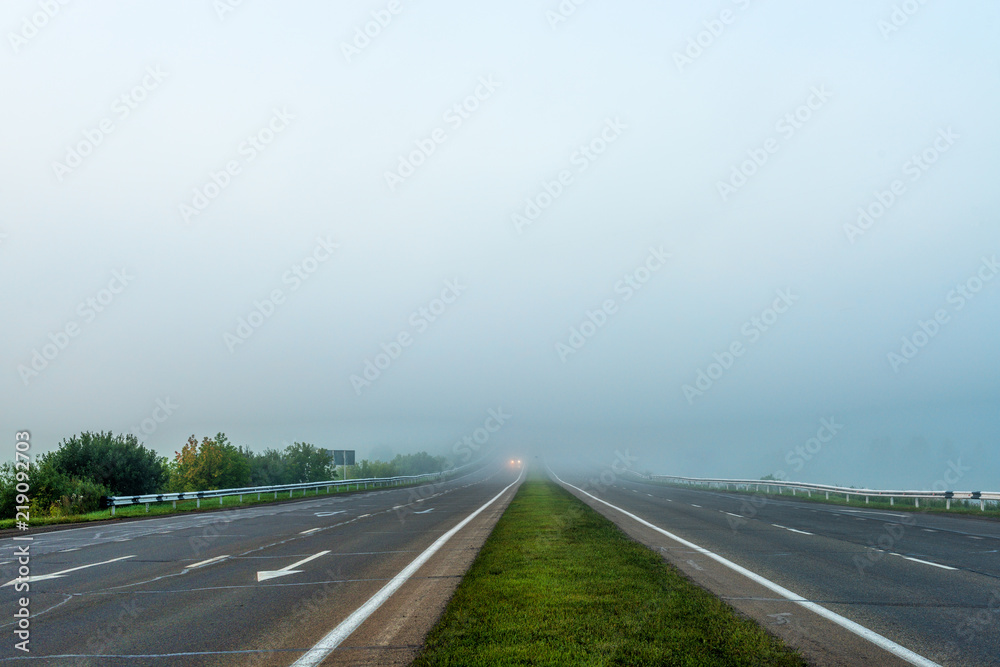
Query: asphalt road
[
  {"x": 255, "y": 586},
  {"x": 927, "y": 582}
]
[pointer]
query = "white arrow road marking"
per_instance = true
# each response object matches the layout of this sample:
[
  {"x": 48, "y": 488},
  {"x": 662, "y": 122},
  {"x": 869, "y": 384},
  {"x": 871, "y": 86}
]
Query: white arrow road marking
[
  {"x": 264, "y": 575},
  {"x": 425, "y": 511},
  {"x": 330, "y": 513},
  {"x": 62, "y": 573}
]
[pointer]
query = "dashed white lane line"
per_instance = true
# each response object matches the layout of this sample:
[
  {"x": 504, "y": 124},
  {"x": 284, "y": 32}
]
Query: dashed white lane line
[
  {"x": 801, "y": 532},
  {"x": 925, "y": 562},
  {"x": 650, "y": 495},
  {"x": 846, "y": 623},
  {"x": 66, "y": 551},
  {"x": 731, "y": 514},
  {"x": 693, "y": 505},
  {"x": 207, "y": 562},
  {"x": 311, "y": 530},
  {"x": 333, "y": 639},
  {"x": 363, "y": 516}
]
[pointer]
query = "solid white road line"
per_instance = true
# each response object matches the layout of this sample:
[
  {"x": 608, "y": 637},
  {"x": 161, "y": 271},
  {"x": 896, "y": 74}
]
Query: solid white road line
[
  {"x": 848, "y": 624},
  {"x": 332, "y": 640},
  {"x": 264, "y": 575},
  {"x": 925, "y": 562},
  {"x": 62, "y": 573}
]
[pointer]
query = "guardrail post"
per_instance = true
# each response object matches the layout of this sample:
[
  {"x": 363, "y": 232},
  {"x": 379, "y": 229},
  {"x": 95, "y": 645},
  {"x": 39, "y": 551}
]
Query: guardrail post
[
  {"x": 827, "y": 495},
  {"x": 112, "y": 510},
  {"x": 982, "y": 505},
  {"x": 147, "y": 508},
  {"x": 198, "y": 502},
  {"x": 220, "y": 501},
  {"x": 175, "y": 504},
  {"x": 947, "y": 503},
  {"x": 866, "y": 500},
  {"x": 241, "y": 498},
  {"x": 892, "y": 501},
  {"x": 916, "y": 502},
  {"x": 793, "y": 490}
]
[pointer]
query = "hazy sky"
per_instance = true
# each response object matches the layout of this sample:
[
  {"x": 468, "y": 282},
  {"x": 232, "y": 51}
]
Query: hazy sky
[{"x": 694, "y": 231}]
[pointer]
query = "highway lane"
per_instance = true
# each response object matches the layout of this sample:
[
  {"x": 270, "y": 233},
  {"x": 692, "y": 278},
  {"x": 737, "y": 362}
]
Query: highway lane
[
  {"x": 928, "y": 582},
  {"x": 257, "y": 586}
]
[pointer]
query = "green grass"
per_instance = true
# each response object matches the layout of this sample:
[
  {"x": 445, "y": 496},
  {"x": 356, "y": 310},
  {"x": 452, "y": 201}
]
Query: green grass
[
  {"x": 962, "y": 507},
  {"x": 166, "y": 508},
  {"x": 558, "y": 584}
]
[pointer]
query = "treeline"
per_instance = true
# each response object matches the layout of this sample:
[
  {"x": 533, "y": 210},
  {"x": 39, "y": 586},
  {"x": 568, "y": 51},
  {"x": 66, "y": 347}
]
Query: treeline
[{"x": 72, "y": 479}]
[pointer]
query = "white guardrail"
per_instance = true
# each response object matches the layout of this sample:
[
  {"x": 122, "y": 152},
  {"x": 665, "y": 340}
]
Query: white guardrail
[
  {"x": 361, "y": 483},
  {"x": 770, "y": 484}
]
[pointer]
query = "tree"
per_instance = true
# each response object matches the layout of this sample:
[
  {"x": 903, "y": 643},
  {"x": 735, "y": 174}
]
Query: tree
[
  {"x": 53, "y": 493},
  {"x": 419, "y": 463},
  {"x": 305, "y": 463},
  {"x": 118, "y": 462},
  {"x": 213, "y": 464},
  {"x": 369, "y": 469},
  {"x": 267, "y": 468}
]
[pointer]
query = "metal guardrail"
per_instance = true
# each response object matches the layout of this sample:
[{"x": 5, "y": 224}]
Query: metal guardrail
[
  {"x": 120, "y": 501},
  {"x": 746, "y": 484}
]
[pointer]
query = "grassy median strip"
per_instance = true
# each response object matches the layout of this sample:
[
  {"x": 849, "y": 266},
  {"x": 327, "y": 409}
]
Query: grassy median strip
[{"x": 558, "y": 584}]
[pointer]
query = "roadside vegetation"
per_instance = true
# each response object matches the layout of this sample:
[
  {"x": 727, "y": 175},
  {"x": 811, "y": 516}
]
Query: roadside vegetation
[
  {"x": 67, "y": 484},
  {"x": 558, "y": 584}
]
